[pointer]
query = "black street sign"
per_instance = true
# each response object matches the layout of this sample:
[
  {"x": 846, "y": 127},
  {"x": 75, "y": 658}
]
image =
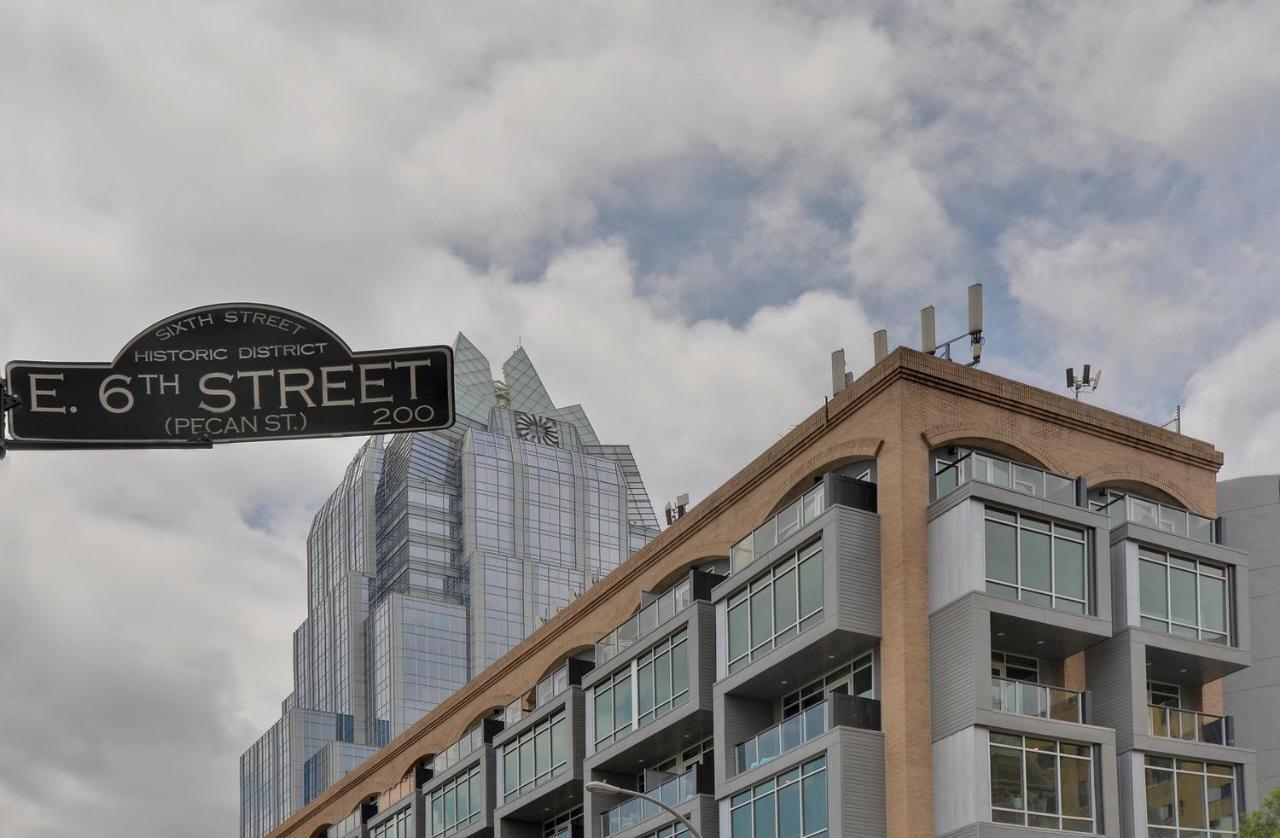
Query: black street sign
[{"x": 233, "y": 372}]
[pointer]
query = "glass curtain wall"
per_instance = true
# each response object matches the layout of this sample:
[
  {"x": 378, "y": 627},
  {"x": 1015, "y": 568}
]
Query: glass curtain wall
[
  {"x": 790, "y": 805},
  {"x": 1041, "y": 782},
  {"x": 776, "y": 606},
  {"x": 457, "y": 803},
  {"x": 1187, "y": 797},
  {"x": 1182, "y": 596},
  {"x": 652, "y": 685},
  {"x": 535, "y": 756},
  {"x": 1036, "y": 561}
]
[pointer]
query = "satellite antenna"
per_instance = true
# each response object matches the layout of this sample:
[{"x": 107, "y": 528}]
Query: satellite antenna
[
  {"x": 928, "y": 334},
  {"x": 1088, "y": 380}
]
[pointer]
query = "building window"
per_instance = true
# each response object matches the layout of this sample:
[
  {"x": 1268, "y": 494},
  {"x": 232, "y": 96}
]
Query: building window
[
  {"x": 1015, "y": 667},
  {"x": 792, "y": 804},
  {"x": 675, "y": 830},
  {"x": 1041, "y": 782},
  {"x": 853, "y": 679},
  {"x": 457, "y": 803},
  {"x": 399, "y": 825},
  {"x": 681, "y": 762},
  {"x": 1186, "y": 797},
  {"x": 568, "y": 825},
  {"x": 652, "y": 685},
  {"x": 1184, "y": 597},
  {"x": 1040, "y": 562},
  {"x": 776, "y": 607},
  {"x": 535, "y": 756},
  {"x": 1163, "y": 695}
]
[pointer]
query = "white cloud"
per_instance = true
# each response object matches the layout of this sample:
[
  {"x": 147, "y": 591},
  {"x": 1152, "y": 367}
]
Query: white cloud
[
  {"x": 671, "y": 204},
  {"x": 1234, "y": 402}
]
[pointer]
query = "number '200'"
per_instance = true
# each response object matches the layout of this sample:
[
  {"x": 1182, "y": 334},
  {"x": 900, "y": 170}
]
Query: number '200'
[{"x": 403, "y": 415}]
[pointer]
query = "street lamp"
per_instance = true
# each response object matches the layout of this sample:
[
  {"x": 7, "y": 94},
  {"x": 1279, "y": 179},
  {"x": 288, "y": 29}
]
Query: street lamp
[{"x": 597, "y": 787}]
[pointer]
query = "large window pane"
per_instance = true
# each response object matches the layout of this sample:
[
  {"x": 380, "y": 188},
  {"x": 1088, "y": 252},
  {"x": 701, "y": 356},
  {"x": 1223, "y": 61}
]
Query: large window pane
[
  {"x": 1213, "y": 603},
  {"x": 622, "y": 703},
  {"x": 559, "y": 742},
  {"x": 740, "y": 822},
  {"x": 1182, "y": 596},
  {"x": 680, "y": 668},
  {"x": 644, "y": 688},
  {"x": 789, "y": 822},
  {"x": 1002, "y": 552},
  {"x": 815, "y": 802},
  {"x": 784, "y": 598},
  {"x": 1153, "y": 596},
  {"x": 1006, "y": 778},
  {"x": 1042, "y": 782},
  {"x": 604, "y": 713},
  {"x": 662, "y": 678},
  {"x": 542, "y": 751},
  {"x": 739, "y": 631},
  {"x": 811, "y": 584},
  {"x": 765, "y": 817},
  {"x": 1191, "y": 814},
  {"x": 1077, "y": 790},
  {"x": 761, "y": 616},
  {"x": 1222, "y": 809},
  {"x": 1036, "y": 561},
  {"x": 1068, "y": 568}
]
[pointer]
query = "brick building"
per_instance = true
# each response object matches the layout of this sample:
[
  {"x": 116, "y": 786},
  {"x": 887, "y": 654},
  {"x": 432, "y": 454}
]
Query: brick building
[{"x": 945, "y": 604}]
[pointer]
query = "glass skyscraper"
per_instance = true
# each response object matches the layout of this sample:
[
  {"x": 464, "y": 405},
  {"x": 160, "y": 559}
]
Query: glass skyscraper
[{"x": 435, "y": 555}]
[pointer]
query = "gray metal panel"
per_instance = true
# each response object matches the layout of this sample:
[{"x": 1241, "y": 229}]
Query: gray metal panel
[
  {"x": 855, "y": 776},
  {"x": 953, "y": 661},
  {"x": 1110, "y": 669},
  {"x": 956, "y": 560},
  {"x": 1250, "y": 510},
  {"x": 853, "y": 579},
  {"x": 958, "y": 794}
]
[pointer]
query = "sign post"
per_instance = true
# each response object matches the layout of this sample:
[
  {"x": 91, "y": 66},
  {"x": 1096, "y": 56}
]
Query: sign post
[{"x": 234, "y": 372}]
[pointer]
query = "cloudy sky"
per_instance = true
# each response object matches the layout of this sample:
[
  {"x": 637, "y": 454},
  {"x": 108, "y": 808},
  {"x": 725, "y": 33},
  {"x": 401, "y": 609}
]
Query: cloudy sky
[{"x": 679, "y": 208}]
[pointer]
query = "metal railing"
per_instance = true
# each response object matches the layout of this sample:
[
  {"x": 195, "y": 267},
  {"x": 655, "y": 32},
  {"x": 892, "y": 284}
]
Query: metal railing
[
  {"x": 771, "y": 743},
  {"x": 679, "y": 789},
  {"x": 1157, "y": 516},
  {"x": 997, "y": 471},
  {"x": 801, "y": 512},
  {"x": 666, "y": 606},
  {"x": 1029, "y": 699},
  {"x": 1189, "y": 725}
]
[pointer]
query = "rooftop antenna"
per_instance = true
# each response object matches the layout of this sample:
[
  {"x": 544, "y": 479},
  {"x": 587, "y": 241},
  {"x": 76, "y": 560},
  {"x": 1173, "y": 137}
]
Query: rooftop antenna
[
  {"x": 1088, "y": 379},
  {"x": 928, "y": 335}
]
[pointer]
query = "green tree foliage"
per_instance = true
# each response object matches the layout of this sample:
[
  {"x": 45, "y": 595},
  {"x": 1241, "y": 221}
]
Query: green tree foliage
[{"x": 1265, "y": 821}]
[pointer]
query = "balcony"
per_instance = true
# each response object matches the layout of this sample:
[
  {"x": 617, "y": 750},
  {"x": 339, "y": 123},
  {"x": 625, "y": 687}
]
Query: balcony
[
  {"x": 1041, "y": 700},
  {"x": 791, "y": 733},
  {"x": 996, "y": 471},
  {"x": 834, "y": 490},
  {"x": 679, "y": 789},
  {"x": 1122, "y": 508},
  {"x": 1189, "y": 725}
]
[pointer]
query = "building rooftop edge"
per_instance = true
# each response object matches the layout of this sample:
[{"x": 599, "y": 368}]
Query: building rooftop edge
[{"x": 902, "y": 364}]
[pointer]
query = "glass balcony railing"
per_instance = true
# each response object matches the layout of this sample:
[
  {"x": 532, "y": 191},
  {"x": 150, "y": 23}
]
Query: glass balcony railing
[
  {"x": 768, "y": 745},
  {"x": 803, "y": 511},
  {"x": 1189, "y": 725},
  {"x": 1158, "y": 516},
  {"x": 679, "y": 789},
  {"x": 666, "y": 606},
  {"x": 1042, "y": 700},
  {"x": 459, "y": 750},
  {"x": 1027, "y": 480}
]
